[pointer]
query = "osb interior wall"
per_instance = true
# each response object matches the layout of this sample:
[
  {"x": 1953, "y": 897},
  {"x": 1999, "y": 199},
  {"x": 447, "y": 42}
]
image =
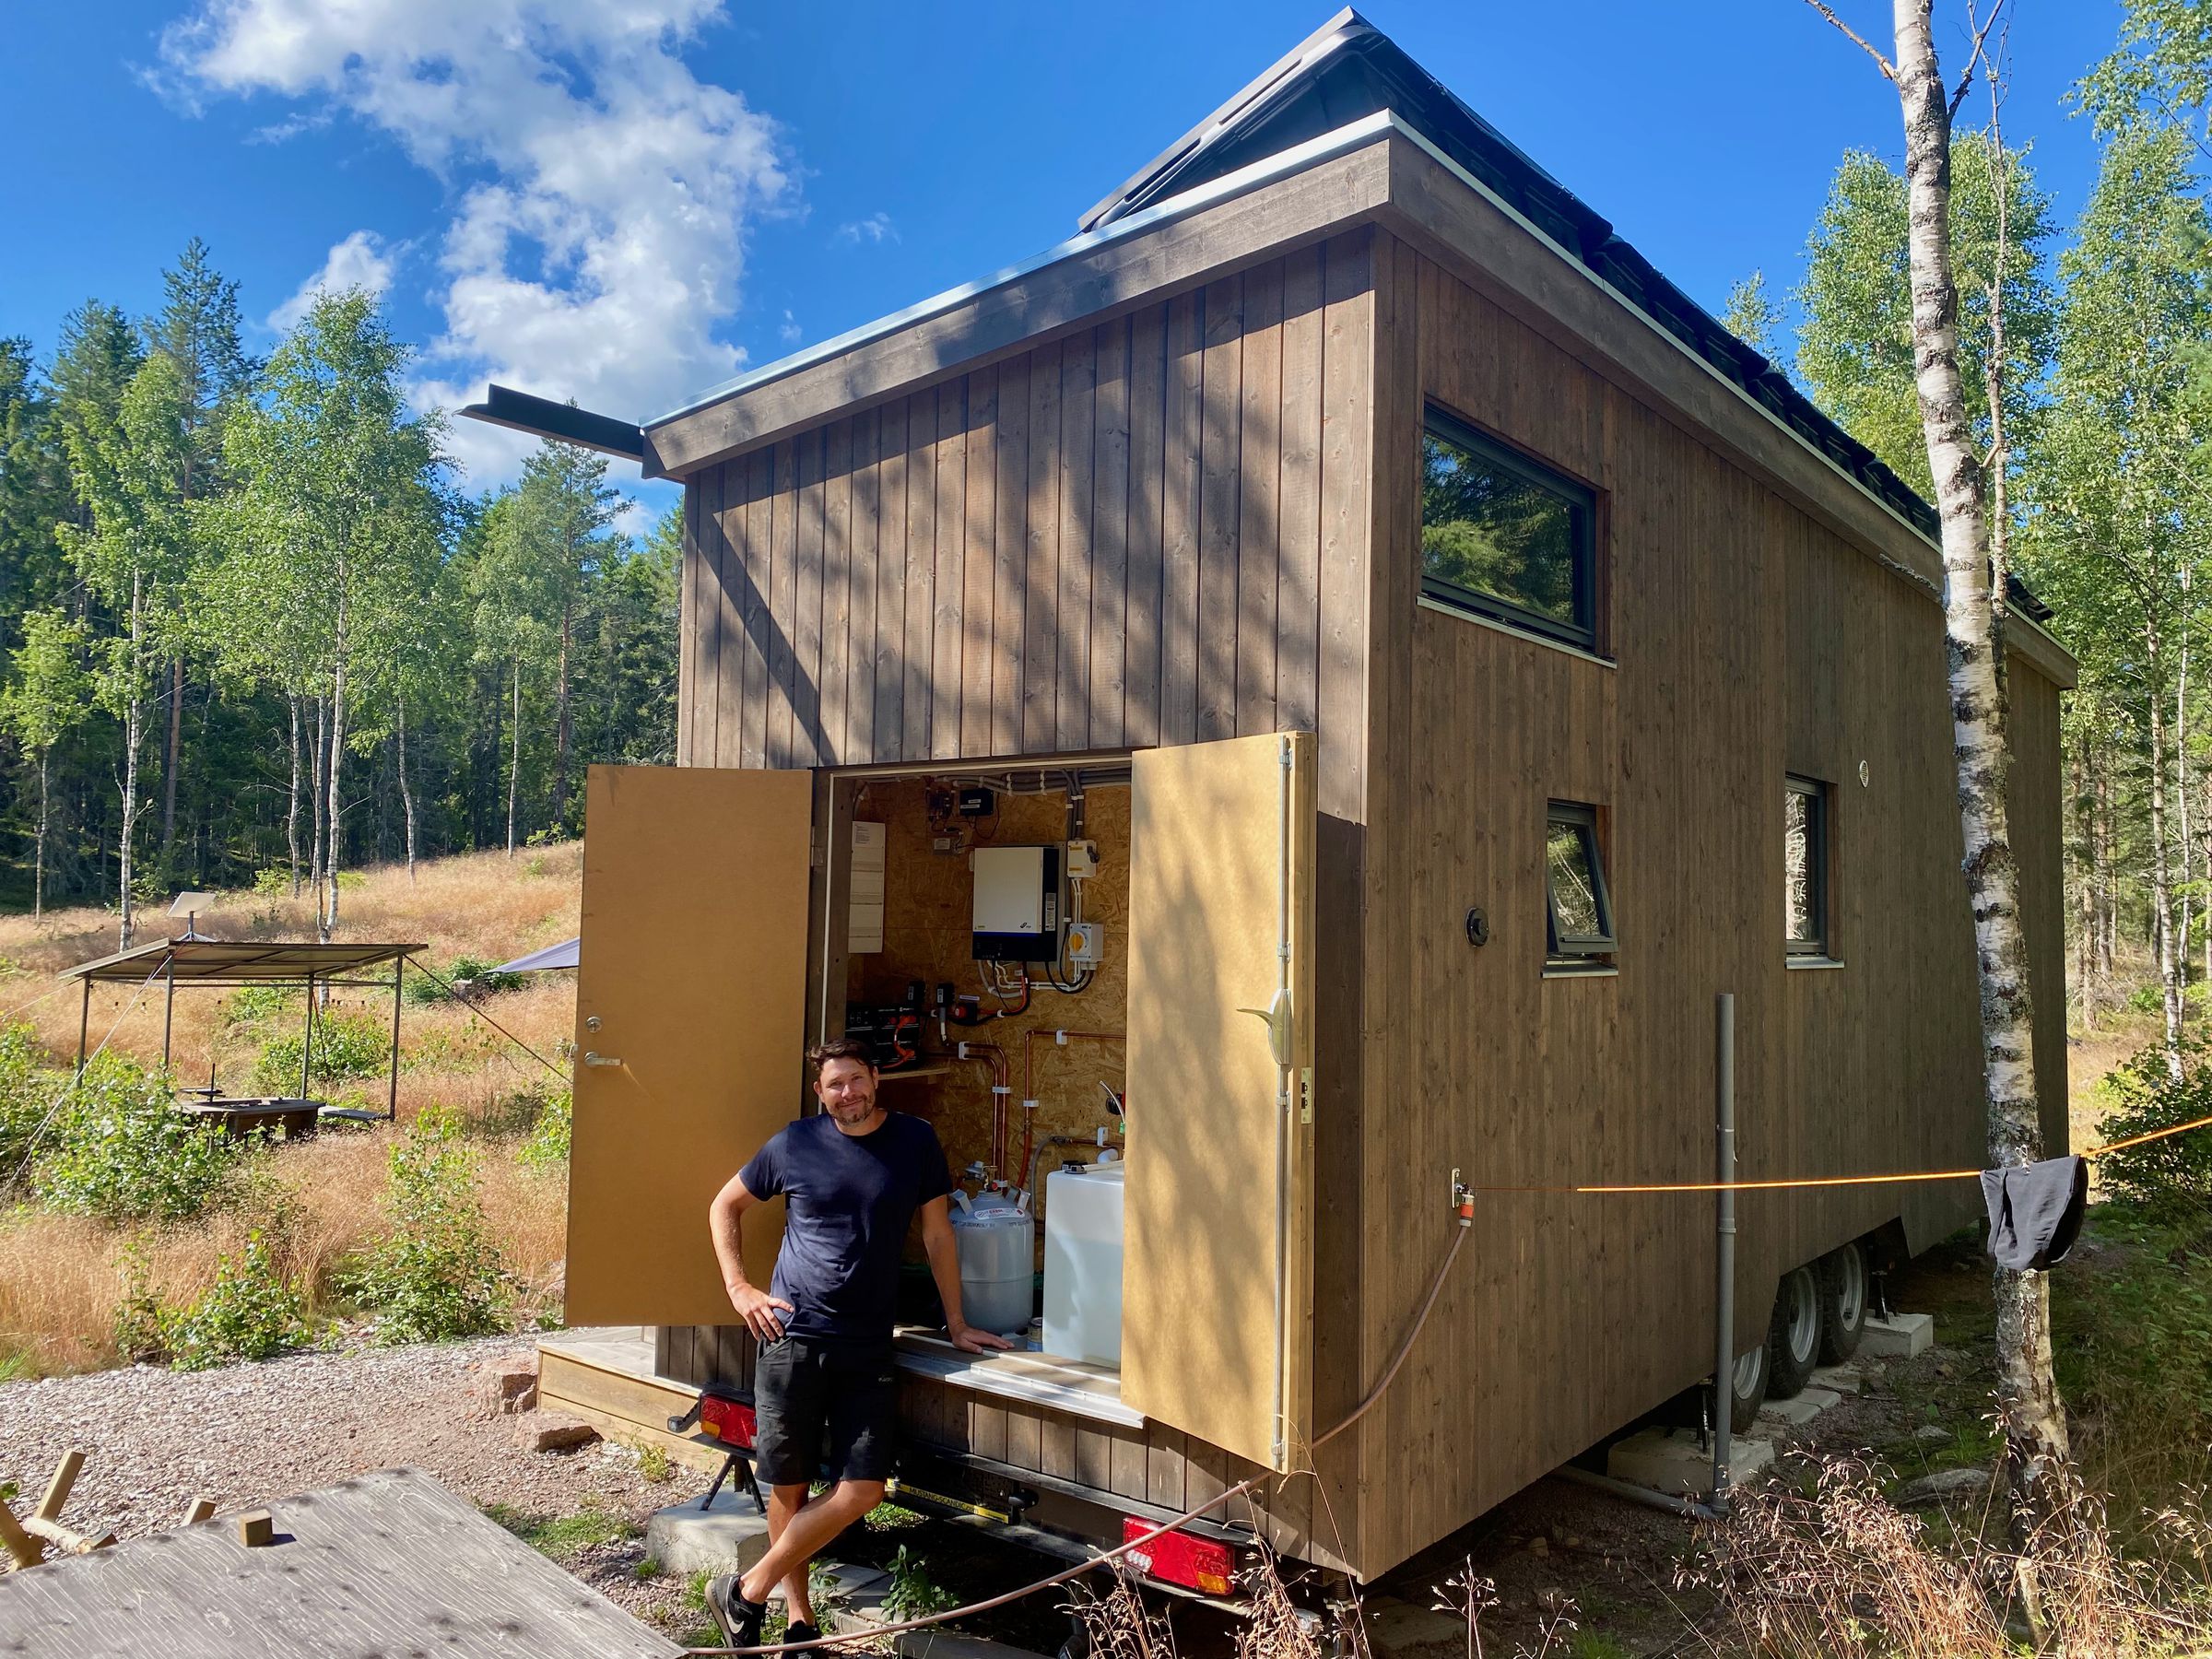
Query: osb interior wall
[
  {"x": 1751, "y": 642},
  {"x": 928, "y": 912}
]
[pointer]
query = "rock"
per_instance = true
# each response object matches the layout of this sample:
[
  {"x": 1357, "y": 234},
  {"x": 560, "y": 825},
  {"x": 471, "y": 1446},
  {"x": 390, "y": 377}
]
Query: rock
[
  {"x": 1952, "y": 1484},
  {"x": 550, "y": 1432},
  {"x": 505, "y": 1386},
  {"x": 1538, "y": 1547},
  {"x": 1932, "y": 1433}
]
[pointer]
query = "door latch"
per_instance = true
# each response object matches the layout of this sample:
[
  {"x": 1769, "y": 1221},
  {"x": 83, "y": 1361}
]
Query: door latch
[{"x": 592, "y": 1059}]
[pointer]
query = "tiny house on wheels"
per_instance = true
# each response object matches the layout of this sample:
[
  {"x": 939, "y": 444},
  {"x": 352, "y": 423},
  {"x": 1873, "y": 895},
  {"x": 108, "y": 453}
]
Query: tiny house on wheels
[{"x": 1306, "y": 689}]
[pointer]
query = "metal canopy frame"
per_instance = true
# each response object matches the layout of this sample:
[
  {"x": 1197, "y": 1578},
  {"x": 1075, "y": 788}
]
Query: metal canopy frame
[{"x": 233, "y": 962}]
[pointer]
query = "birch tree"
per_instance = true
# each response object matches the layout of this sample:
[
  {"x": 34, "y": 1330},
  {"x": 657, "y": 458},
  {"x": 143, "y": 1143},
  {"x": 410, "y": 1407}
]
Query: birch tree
[
  {"x": 43, "y": 702},
  {"x": 2037, "y": 1458},
  {"x": 337, "y": 527}
]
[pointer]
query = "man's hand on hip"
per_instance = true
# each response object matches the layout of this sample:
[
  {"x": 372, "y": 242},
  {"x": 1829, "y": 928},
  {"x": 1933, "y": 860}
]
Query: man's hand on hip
[
  {"x": 971, "y": 1340},
  {"x": 756, "y": 1310}
]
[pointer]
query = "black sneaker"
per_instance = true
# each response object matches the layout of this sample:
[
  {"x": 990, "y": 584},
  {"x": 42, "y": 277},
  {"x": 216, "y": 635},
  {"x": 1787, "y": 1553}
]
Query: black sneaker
[
  {"x": 736, "y": 1619},
  {"x": 800, "y": 1631}
]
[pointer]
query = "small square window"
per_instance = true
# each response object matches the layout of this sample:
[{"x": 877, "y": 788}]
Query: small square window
[
  {"x": 1804, "y": 866},
  {"x": 1506, "y": 537},
  {"x": 1580, "y": 929}
]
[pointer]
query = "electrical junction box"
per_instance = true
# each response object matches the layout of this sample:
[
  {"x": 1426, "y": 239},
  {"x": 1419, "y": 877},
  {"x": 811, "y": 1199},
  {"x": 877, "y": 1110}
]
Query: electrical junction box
[
  {"x": 1017, "y": 903},
  {"x": 1082, "y": 860},
  {"x": 1086, "y": 943}
]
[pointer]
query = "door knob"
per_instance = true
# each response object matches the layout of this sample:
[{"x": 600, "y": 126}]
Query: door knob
[{"x": 592, "y": 1059}]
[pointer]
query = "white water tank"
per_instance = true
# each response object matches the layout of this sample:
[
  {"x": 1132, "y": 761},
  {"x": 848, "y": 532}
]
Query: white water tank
[
  {"x": 997, "y": 1241},
  {"x": 1083, "y": 1264}
]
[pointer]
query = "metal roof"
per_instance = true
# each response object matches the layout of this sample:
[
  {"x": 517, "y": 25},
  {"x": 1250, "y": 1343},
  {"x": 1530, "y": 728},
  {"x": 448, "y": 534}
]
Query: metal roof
[
  {"x": 1348, "y": 68},
  {"x": 236, "y": 961}
]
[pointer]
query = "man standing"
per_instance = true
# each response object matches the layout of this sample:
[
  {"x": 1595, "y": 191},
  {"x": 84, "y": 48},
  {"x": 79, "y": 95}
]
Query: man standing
[{"x": 853, "y": 1178}]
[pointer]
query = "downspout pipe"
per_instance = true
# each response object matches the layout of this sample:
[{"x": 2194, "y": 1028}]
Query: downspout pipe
[{"x": 1688, "y": 1508}]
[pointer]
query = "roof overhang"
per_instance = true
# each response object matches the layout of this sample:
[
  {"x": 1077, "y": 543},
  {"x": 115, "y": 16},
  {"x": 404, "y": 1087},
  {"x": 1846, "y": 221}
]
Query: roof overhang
[
  {"x": 236, "y": 961},
  {"x": 563, "y": 422}
]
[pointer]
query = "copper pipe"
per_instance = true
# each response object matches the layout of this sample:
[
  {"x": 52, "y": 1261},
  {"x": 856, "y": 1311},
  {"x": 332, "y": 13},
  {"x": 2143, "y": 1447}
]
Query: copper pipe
[{"x": 1029, "y": 1076}]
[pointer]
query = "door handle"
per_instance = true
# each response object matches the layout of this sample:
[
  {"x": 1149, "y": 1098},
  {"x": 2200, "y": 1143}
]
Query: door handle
[
  {"x": 591, "y": 1059},
  {"x": 1277, "y": 1017}
]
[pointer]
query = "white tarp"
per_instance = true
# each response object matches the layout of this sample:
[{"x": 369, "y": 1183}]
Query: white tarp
[{"x": 562, "y": 955}]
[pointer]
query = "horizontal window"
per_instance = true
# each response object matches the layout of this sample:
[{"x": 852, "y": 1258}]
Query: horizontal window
[
  {"x": 1804, "y": 866},
  {"x": 1506, "y": 537},
  {"x": 1580, "y": 926}
]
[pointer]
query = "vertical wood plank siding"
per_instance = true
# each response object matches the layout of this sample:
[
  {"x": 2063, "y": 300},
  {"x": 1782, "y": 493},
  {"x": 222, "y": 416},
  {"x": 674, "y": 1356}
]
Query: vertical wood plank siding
[
  {"x": 1133, "y": 534},
  {"x": 1751, "y": 642}
]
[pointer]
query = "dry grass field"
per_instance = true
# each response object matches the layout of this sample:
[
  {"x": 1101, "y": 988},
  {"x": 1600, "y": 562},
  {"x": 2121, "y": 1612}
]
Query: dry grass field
[{"x": 315, "y": 1203}]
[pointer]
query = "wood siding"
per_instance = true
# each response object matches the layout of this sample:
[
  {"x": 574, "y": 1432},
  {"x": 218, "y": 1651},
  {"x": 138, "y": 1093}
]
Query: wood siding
[
  {"x": 1133, "y": 534},
  {"x": 1751, "y": 642}
]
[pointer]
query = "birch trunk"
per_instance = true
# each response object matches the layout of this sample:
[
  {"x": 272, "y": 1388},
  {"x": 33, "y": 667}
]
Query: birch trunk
[
  {"x": 407, "y": 794},
  {"x": 2162, "y": 869},
  {"x": 315, "y": 798},
  {"x": 514, "y": 760},
  {"x": 133, "y": 717},
  {"x": 2181, "y": 820},
  {"x": 170, "y": 762},
  {"x": 2084, "y": 892},
  {"x": 292, "y": 807},
  {"x": 38, "y": 881},
  {"x": 334, "y": 816},
  {"x": 2037, "y": 1460}
]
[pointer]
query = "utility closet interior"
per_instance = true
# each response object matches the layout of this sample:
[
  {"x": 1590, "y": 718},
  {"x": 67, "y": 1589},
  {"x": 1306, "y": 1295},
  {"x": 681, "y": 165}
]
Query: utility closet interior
[{"x": 986, "y": 961}]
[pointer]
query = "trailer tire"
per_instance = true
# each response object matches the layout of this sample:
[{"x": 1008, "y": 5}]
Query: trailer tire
[
  {"x": 1747, "y": 1389},
  {"x": 1793, "y": 1335},
  {"x": 1845, "y": 1294}
]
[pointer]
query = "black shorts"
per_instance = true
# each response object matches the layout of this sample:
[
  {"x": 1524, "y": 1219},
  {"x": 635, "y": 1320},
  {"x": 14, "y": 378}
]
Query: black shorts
[{"x": 805, "y": 1391}]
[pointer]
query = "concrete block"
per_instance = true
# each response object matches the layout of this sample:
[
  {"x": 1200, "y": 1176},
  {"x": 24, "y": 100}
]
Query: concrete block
[
  {"x": 1900, "y": 1336},
  {"x": 1675, "y": 1463},
  {"x": 728, "y": 1537},
  {"x": 1394, "y": 1626},
  {"x": 1840, "y": 1379},
  {"x": 550, "y": 1432}
]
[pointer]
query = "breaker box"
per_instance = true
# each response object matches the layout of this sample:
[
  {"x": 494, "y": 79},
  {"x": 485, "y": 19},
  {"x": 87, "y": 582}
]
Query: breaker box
[{"x": 1017, "y": 903}]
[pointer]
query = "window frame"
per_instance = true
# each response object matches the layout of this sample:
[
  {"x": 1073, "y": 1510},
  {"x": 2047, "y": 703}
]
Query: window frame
[
  {"x": 1584, "y": 633},
  {"x": 1578, "y": 950},
  {"x": 1819, "y": 946}
]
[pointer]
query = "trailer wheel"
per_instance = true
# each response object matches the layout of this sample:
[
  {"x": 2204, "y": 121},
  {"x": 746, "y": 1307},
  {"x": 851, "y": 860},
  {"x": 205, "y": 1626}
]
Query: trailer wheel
[
  {"x": 1747, "y": 1389},
  {"x": 1793, "y": 1335},
  {"x": 1845, "y": 1287}
]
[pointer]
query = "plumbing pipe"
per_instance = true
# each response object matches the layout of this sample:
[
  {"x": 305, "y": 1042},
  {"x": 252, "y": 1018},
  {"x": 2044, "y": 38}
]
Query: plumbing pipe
[
  {"x": 1036, "y": 1175},
  {"x": 1688, "y": 1508},
  {"x": 1001, "y": 1087},
  {"x": 1029, "y": 1073},
  {"x": 1723, "y": 1253}
]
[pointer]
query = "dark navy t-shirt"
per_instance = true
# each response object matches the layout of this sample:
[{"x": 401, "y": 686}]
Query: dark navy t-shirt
[{"x": 849, "y": 1199}]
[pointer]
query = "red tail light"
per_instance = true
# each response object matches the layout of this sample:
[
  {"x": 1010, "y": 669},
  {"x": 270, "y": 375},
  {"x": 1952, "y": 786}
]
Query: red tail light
[
  {"x": 1177, "y": 1558},
  {"x": 729, "y": 1421}
]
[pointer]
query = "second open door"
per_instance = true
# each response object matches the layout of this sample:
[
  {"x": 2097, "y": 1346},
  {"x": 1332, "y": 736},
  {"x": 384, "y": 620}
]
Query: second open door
[{"x": 1216, "y": 1278}]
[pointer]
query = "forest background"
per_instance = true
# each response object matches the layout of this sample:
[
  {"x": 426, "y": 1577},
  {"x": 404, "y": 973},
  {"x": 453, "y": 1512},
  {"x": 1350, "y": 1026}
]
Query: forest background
[{"x": 255, "y": 630}]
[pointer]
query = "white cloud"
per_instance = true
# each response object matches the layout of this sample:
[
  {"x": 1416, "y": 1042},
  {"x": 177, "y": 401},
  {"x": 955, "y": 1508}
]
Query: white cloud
[
  {"x": 359, "y": 261},
  {"x": 789, "y": 331},
  {"x": 876, "y": 228},
  {"x": 602, "y": 192}
]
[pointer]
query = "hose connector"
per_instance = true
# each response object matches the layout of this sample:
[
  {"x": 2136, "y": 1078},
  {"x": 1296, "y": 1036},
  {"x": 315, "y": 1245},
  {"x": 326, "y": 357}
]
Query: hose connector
[{"x": 1462, "y": 1200}]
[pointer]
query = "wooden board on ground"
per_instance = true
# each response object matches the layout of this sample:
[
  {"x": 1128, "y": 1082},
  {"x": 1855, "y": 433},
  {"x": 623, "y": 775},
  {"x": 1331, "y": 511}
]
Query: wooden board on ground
[{"x": 387, "y": 1562}]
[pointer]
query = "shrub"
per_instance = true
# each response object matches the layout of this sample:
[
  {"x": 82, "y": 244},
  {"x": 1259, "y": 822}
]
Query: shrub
[
  {"x": 260, "y": 1005},
  {"x": 249, "y": 1312},
  {"x": 546, "y": 1146},
  {"x": 437, "y": 1274},
  {"x": 25, "y": 1097},
  {"x": 2175, "y": 1173},
  {"x": 118, "y": 1150},
  {"x": 422, "y": 988},
  {"x": 347, "y": 1045},
  {"x": 913, "y": 1593}
]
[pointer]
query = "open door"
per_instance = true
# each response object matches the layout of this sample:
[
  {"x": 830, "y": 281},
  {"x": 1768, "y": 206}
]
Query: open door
[
  {"x": 1217, "y": 1275},
  {"x": 690, "y": 1007}
]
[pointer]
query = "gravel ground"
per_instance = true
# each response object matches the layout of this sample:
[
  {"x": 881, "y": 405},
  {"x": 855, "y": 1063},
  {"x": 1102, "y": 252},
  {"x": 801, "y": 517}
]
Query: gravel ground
[{"x": 248, "y": 1434}]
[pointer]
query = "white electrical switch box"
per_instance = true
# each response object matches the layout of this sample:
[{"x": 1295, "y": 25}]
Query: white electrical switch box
[
  {"x": 1082, "y": 860},
  {"x": 1017, "y": 903},
  {"x": 1086, "y": 943}
]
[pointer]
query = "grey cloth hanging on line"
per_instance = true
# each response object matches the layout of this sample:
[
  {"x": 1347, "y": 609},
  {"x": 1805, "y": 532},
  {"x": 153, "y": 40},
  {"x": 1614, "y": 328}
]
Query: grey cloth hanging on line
[{"x": 2035, "y": 1211}]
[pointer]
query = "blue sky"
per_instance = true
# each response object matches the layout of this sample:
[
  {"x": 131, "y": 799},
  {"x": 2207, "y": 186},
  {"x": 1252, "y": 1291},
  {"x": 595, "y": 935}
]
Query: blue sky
[{"x": 549, "y": 192}]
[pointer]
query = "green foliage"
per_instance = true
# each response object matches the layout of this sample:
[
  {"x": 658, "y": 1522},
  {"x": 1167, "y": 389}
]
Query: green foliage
[
  {"x": 261, "y": 1004},
  {"x": 2168, "y": 1176},
  {"x": 546, "y": 1146},
  {"x": 421, "y": 988},
  {"x": 249, "y": 1312},
  {"x": 24, "y": 1097},
  {"x": 436, "y": 1274},
  {"x": 914, "y": 1593},
  {"x": 1753, "y": 318},
  {"x": 347, "y": 1045},
  {"x": 119, "y": 1150},
  {"x": 564, "y": 1537}
]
